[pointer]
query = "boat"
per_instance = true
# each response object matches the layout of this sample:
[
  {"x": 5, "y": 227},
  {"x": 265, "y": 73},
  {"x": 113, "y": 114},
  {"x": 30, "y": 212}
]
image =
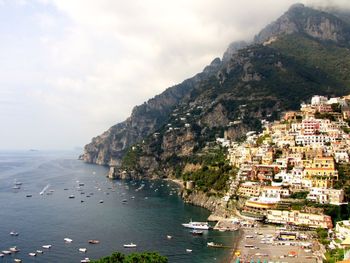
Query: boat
[
  {"x": 131, "y": 245},
  {"x": 47, "y": 246},
  {"x": 169, "y": 237},
  {"x": 93, "y": 241},
  {"x": 6, "y": 252},
  {"x": 32, "y": 254},
  {"x": 124, "y": 201},
  {"x": 82, "y": 249},
  {"x": 101, "y": 201},
  {"x": 197, "y": 225},
  {"x": 28, "y": 195},
  {"x": 16, "y": 187},
  {"x": 13, "y": 233},
  {"x": 17, "y": 260},
  {"x": 2, "y": 255},
  {"x": 212, "y": 244},
  {"x": 188, "y": 250},
  {"x": 71, "y": 196},
  {"x": 196, "y": 232},
  {"x": 85, "y": 260},
  {"x": 14, "y": 249},
  {"x": 68, "y": 240},
  {"x": 40, "y": 252}
]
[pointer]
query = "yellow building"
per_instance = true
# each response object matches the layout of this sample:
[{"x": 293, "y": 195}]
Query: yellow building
[{"x": 322, "y": 172}]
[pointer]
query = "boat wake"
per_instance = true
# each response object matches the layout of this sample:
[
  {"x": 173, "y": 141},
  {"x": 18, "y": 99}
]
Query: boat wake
[{"x": 44, "y": 189}]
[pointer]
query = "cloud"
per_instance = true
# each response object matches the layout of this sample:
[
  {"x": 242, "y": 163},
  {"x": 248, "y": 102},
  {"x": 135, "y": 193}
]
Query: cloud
[{"x": 87, "y": 62}]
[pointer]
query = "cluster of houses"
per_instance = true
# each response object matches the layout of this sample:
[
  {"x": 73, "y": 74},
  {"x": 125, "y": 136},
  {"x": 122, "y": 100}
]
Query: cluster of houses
[{"x": 296, "y": 157}]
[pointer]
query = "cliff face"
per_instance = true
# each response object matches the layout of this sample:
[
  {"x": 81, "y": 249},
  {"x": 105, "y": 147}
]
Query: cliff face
[
  {"x": 301, "y": 19},
  {"x": 304, "y": 52}
]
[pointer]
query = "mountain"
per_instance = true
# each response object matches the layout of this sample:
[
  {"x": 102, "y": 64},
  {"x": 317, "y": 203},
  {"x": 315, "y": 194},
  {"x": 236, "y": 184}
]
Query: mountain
[{"x": 302, "y": 53}]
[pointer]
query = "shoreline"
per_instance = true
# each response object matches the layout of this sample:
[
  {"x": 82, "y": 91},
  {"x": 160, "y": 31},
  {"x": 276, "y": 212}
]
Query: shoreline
[{"x": 178, "y": 182}]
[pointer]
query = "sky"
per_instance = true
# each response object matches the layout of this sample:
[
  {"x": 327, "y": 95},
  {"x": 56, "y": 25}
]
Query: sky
[{"x": 70, "y": 69}]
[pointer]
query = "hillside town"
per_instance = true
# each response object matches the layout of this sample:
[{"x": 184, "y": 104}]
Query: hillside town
[{"x": 295, "y": 172}]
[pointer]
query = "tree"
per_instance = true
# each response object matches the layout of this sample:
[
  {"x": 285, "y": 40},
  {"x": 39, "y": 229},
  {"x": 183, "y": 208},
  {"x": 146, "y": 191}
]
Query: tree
[{"x": 146, "y": 257}]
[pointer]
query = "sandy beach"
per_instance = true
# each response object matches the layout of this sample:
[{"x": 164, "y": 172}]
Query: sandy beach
[{"x": 257, "y": 244}]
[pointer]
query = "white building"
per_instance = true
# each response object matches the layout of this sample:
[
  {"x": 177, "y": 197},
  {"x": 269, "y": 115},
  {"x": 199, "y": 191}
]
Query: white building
[{"x": 318, "y": 100}]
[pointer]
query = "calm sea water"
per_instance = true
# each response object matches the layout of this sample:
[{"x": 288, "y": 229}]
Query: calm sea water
[{"x": 148, "y": 216}]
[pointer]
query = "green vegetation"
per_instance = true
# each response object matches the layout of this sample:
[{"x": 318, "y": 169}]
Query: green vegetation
[
  {"x": 299, "y": 195},
  {"x": 214, "y": 173},
  {"x": 322, "y": 235},
  {"x": 131, "y": 156},
  {"x": 334, "y": 255},
  {"x": 146, "y": 257}
]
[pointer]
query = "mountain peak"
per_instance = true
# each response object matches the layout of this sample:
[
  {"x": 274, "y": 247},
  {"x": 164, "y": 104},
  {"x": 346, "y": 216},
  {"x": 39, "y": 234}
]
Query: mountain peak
[
  {"x": 296, "y": 6},
  {"x": 305, "y": 20}
]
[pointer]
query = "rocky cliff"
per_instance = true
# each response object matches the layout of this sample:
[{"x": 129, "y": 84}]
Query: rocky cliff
[{"x": 304, "y": 52}]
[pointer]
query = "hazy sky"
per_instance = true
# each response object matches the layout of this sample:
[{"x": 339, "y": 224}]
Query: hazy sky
[{"x": 70, "y": 69}]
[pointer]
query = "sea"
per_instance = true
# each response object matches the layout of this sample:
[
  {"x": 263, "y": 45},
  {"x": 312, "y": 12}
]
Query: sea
[{"x": 115, "y": 212}]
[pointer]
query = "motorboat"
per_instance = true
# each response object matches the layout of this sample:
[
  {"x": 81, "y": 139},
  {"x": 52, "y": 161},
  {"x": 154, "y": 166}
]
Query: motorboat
[
  {"x": 82, "y": 249},
  {"x": 47, "y": 246},
  {"x": 40, "y": 252},
  {"x": 32, "y": 254},
  {"x": 93, "y": 241},
  {"x": 85, "y": 260},
  {"x": 169, "y": 237},
  {"x": 14, "y": 249},
  {"x": 17, "y": 260},
  {"x": 2, "y": 255},
  {"x": 131, "y": 245},
  {"x": 68, "y": 240},
  {"x": 13, "y": 233},
  {"x": 197, "y": 225},
  {"x": 188, "y": 250},
  {"x": 6, "y": 252},
  {"x": 71, "y": 196},
  {"x": 212, "y": 244},
  {"x": 29, "y": 195},
  {"x": 101, "y": 201}
]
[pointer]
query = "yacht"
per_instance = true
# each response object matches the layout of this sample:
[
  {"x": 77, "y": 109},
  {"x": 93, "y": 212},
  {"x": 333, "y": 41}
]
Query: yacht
[
  {"x": 197, "y": 225},
  {"x": 82, "y": 249}
]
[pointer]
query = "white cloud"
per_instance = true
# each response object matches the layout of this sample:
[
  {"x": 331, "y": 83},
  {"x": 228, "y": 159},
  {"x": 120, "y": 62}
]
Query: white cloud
[{"x": 91, "y": 61}]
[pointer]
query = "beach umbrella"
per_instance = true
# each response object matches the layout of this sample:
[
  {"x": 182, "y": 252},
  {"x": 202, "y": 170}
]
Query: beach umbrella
[
  {"x": 258, "y": 261},
  {"x": 265, "y": 261},
  {"x": 237, "y": 260},
  {"x": 252, "y": 261}
]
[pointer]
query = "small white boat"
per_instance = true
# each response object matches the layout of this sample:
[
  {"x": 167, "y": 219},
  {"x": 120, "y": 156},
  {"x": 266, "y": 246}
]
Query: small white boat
[
  {"x": 16, "y": 187},
  {"x": 85, "y": 260},
  {"x": 32, "y": 254},
  {"x": 71, "y": 196},
  {"x": 169, "y": 237},
  {"x": 197, "y": 225},
  {"x": 17, "y": 260},
  {"x": 101, "y": 201},
  {"x": 82, "y": 249},
  {"x": 188, "y": 250},
  {"x": 13, "y": 233},
  {"x": 2, "y": 255},
  {"x": 131, "y": 245},
  {"x": 14, "y": 249},
  {"x": 40, "y": 252},
  {"x": 68, "y": 240},
  {"x": 47, "y": 246},
  {"x": 6, "y": 252}
]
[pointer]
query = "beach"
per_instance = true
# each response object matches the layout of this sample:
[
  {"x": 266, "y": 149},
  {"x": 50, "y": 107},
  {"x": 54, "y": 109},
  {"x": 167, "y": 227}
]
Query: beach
[{"x": 258, "y": 244}]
